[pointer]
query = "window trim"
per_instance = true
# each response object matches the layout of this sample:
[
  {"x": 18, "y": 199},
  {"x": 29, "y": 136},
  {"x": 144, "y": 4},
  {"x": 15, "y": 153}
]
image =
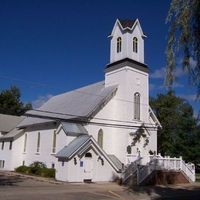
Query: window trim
[
  {"x": 38, "y": 143},
  {"x": 119, "y": 44},
  {"x": 25, "y": 143},
  {"x": 135, "y": 44},
  {"x": 2, "y": 145},
  {"x": 137, "y": 99},
  {"x": 54, "y": 142},
  {"x": 100, "y": 138},
  {"x": 10, "y": 145}
]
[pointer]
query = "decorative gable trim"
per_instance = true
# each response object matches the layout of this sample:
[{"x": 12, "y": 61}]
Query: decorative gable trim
[{"x": 127, "y": 28}]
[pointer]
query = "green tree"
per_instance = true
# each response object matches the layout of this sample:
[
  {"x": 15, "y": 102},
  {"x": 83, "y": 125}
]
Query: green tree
[
  {"x": 184, "y": 40},
  {"x": 10, "y": 102},
  {"x": 180, "y": 135}
]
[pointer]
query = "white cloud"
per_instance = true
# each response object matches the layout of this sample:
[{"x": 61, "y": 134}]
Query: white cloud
[
  {"x": 41, "y": 100},
  {"x": 179, "y": 72},
  {"x": 193, "y": 62},
  {"x": 189, "y": 97},
  {"x": 152, "y": 86},
  {"x": 160, "y": 73}
]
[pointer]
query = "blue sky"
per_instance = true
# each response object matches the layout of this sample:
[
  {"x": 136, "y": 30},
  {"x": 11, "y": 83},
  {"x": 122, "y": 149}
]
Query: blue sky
[{"x": 52, "y": 46}]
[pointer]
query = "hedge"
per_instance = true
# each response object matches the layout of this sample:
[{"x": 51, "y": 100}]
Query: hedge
[{"x": 37, "y": 168}]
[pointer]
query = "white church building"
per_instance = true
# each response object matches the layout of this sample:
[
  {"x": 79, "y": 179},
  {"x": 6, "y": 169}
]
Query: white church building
[{"x": 87, "y": 133}]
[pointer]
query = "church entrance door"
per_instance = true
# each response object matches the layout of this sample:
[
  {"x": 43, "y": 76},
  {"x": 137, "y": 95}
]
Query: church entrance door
[{"x": 88, "y": 167}]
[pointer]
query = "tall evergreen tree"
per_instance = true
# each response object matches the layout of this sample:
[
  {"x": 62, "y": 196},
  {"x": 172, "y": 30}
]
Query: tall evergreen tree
[{"x": 10, "y": 102}]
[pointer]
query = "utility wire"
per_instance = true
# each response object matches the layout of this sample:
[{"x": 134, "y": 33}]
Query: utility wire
[{"x": 87, "y": 93}]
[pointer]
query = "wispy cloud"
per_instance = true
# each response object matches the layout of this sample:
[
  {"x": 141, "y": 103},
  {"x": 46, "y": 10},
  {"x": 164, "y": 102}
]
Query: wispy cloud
[
  {"x": 152, "y": 86},
  {"x": 41, "y": 100},
  {"x": 160, "y": 73},
  {"x": 189, "y": 97},
  {"x": 193, "y": 62}
]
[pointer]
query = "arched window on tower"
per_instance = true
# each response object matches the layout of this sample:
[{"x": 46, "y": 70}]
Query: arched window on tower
[
  {"x": 119, "y": 44},
  {"x": 135, "y": 45},
  {"x": 100, "y": 138},
  {"x": 137, "y": 106}
]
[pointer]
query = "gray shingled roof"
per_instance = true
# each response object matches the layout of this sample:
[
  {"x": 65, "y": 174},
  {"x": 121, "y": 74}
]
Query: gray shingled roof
[
  {"x": 116, "y": 161},
  {"x": 80, "y": 145},
  {"x": 72, "y": 147},
  {"x": 73, "y": 129},
  {"x": 29, "y": 121},
  {"x": 12, "y": 135},
  {"x": 79, "y": 103},
  {"x": 9, "y": 122},
  {"x": 127, "y": 23}
]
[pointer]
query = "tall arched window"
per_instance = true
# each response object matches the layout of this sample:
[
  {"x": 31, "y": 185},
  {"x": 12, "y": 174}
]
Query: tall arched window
[
  {"x": 135, "y": 45},
  {"x": 119, "y": 44},
  {"x": 38, "y": 142},
  {"x": 100, "y": 138},
  {"x": 137, "y": 106},
  {"x": 25, "y": 141},
  {"x": 54, "y": 142}
]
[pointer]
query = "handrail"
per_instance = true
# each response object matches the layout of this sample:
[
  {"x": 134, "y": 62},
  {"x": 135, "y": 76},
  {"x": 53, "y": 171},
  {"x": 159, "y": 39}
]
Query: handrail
[
  {"x": 131, "y": 169},
  {"x": 167, "y": 163}
]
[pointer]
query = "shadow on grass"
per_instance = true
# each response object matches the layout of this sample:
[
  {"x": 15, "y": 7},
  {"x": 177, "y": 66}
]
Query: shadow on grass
[
  {"x": 183, "y": 192},
  {"x": 6, "y": 180}
]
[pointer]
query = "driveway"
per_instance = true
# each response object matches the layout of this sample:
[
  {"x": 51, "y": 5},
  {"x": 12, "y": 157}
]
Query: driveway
[{"x": 15, "y": 187}]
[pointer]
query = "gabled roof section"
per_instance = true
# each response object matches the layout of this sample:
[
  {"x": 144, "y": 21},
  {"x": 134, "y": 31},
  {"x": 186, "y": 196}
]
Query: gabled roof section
[
  {"x": 68, "y": 151},
  {"x": 30, "y": 121},
  {"x": 127, "y": 25},
  {"x": 81, "y": 103},
  {"x": 73, "y": 129},
  {"x": 9, "y": 122},
  {"x": 12, "y": 135},
  {"x": 80, "y": 145}
]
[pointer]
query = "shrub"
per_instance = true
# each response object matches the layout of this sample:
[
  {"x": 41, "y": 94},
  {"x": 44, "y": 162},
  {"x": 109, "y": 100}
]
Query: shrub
[
  {"x": 23, "y": 169},
  {"x": 38, "y": 164},
  {"x": 37, "y": 168},
  {"x": 46, "y": 172}
]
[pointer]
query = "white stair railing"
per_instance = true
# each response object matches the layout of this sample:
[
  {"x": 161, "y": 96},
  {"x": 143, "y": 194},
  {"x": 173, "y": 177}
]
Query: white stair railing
[
  {"x": 144, "y": 171},
  {"x": 130, "y": 170},
  {"x": 189, "y": 171},
  {"x": 166, "y": 163}
]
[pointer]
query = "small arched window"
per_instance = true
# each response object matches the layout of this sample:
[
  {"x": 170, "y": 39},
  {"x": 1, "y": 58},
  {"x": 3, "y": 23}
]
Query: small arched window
[
  {"x": 135, "y": 45},
  {"x": 100, "y": 138},
  {"x": 54, "y": 142},
  {"x": 137, "y": 106},
  {"x": 25, "y": 141},
  {"x": 38, "y": 142},
  {"x": 119, "y": 44},
  {"x": 88, "y": 155}
]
